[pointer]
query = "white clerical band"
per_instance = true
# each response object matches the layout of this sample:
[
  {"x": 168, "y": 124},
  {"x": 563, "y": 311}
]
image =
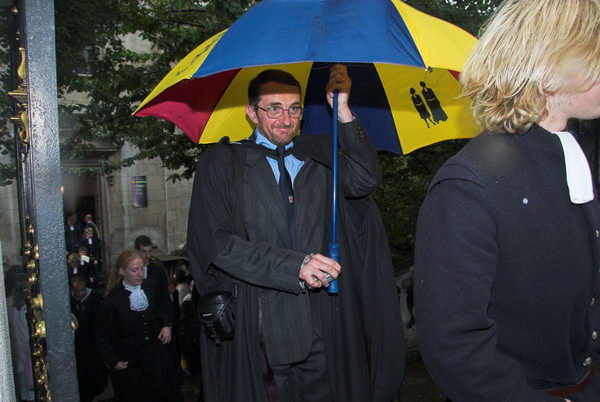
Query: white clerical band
[
  {"x": 579, "y": 177},
  {"x": 137, "y": 299}
]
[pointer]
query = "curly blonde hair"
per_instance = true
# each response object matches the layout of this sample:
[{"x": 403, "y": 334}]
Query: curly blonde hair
[{"x": 527, "y": 50}]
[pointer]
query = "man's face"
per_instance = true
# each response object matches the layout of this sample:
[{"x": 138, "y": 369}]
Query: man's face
[
  {"x": 78, "y": 290},
  {"x": 88, "y": 218},
  {"x": 280, "y": 131},
  {"x": 145, "y": 251},
  {"x": 71, "y": 220}
]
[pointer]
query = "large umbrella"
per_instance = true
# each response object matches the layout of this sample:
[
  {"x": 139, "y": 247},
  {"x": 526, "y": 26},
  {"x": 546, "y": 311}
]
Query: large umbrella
[
  {"x": 403, "y": 64},
  {"x": 205, "y": 93}
]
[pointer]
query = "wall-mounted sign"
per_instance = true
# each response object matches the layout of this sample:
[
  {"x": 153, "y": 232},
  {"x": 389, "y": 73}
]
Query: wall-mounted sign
[{"x": 139, "y": 186}]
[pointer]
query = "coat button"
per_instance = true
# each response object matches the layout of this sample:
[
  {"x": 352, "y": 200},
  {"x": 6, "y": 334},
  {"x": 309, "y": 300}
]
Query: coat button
[
  {"x": 587, "y": 362},
  {"x": 594, "y": 335},
  {"x": 597, "y": 233},
  {"x": 146, "y": 338},
  {"x": 593, "y": 301}
]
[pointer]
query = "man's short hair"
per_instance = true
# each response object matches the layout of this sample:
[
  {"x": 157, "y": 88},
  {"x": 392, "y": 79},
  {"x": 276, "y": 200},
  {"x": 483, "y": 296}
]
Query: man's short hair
[
  {"x": 142, "y": 241},
  {"x": 278, "y": 76},
  {"x": 77, "y": 279},
  {"x": 181, "y": 275}
]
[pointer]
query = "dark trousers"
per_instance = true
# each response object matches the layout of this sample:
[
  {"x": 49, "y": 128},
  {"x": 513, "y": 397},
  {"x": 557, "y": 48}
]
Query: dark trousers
[{"x": 307, "y": 380}]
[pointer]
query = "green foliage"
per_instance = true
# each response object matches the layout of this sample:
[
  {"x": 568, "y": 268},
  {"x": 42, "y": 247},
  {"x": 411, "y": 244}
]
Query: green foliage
[
  {"x": 94, "y": 58},
  {"x": 467, "y": 14},
  {"x": 7, "y": 168}
]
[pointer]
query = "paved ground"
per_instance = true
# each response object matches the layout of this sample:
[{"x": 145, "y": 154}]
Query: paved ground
[{"x": 417, "y": 387}]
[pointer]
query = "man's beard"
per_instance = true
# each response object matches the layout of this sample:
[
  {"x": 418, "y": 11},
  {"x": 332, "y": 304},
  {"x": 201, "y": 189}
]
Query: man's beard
[{"x": 279, "y": 141}]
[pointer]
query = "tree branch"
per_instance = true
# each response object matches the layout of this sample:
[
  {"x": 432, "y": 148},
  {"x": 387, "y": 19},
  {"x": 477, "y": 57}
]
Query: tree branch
[
  {"x": 189, "y": 10},
  {"x": 182, "y": 23}
]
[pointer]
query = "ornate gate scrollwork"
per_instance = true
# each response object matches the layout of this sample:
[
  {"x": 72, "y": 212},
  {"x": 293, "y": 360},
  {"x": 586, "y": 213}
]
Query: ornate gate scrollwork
[{"x": 31, "y": 253}]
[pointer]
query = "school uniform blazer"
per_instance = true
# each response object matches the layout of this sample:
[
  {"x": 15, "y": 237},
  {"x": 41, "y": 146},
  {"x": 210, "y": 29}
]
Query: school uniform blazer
[{"x": 507, "y": 282}]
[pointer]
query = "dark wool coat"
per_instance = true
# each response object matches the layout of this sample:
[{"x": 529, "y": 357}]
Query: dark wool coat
[
  {"x": 362, "y": 326},
  {"x": 507, "y": 273}
]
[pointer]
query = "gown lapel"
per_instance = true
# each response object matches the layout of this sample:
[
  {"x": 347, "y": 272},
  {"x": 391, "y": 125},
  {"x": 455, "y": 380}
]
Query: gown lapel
[{"x": 264, "y": 186}]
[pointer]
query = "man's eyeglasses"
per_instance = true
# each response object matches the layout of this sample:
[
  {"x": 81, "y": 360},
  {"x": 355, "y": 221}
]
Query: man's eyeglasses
[{"x": 275, "y": 112}]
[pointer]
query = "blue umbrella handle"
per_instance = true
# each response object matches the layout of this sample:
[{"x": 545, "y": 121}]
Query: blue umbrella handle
[{"x": 334, "y": 248}]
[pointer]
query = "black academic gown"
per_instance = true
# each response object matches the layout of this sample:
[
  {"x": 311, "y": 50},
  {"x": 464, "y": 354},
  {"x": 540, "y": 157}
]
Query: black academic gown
[
  {"x": 132, "y": 336},
  {"x": 94, "y": 251},
  {"x": 157, "y": 273},
  {"x": 91, "y": 372},
  {"x": 362, "y": 326},
  {"x": 73, "y": 237}
]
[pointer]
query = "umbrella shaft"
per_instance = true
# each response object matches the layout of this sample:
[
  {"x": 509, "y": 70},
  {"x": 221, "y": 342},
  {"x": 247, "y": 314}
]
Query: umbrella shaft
[{"x": 334, "y": 247}]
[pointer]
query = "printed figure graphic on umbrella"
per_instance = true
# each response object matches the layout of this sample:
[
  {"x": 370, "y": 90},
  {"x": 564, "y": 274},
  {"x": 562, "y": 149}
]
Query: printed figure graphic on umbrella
[
  {"x": 437, "y": 112},
  {"x": 434, "y": 103},
  {"x": 421, "y": 108}
]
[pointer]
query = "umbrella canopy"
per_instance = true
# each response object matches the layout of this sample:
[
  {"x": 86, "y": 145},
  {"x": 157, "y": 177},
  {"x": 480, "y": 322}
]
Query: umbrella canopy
[{"x": 402, "y": 62}]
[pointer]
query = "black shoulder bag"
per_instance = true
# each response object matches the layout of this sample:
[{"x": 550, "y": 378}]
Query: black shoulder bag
[{"x": 216, "y": 310}]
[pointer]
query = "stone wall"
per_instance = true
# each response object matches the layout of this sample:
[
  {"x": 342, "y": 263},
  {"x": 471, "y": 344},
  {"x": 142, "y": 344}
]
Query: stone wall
[
  {"x": 164, "y": 220},
  {"x": 9, "y": 225}
]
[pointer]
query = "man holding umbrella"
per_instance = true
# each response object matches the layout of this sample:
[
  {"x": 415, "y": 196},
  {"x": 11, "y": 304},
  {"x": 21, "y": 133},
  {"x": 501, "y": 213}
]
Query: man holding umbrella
[{"x": 258, "y": 227}]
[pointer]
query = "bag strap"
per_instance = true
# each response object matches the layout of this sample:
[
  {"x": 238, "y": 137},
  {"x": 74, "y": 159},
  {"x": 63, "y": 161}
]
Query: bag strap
[{"x": 238, "y": 163}]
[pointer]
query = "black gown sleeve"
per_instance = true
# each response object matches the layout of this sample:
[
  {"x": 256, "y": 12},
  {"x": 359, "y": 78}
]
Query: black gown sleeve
[
  {"x": 104, "y": 328},
  {"x": 359, "y": 166},
  {"x": 455, "y": 265},
  {"x": 165, "y": 310}
]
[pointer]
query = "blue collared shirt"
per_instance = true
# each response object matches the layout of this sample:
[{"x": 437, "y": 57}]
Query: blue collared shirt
[{"x": 292, "y": 164}]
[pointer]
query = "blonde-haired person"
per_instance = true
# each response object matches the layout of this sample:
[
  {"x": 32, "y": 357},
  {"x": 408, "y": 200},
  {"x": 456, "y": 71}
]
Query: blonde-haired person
[
  {"x": 508, "y": 238},
  {"x": 132, "y": 333}
]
